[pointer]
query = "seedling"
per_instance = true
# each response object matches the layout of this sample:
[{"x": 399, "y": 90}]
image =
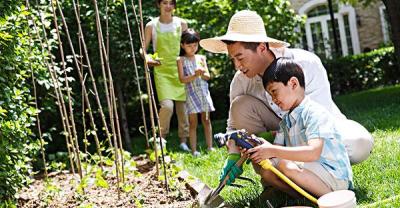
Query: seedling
[{"x": 155, "y": 57}]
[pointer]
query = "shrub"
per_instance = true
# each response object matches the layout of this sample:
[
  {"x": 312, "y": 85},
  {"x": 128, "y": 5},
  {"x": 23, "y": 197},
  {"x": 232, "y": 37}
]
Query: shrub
[
  {"x": 363, "y": 71},
  {"x": 19, "y": 58}
]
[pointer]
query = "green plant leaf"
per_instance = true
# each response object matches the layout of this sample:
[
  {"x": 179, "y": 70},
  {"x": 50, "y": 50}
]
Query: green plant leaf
[{"x": 100, "y": 181}]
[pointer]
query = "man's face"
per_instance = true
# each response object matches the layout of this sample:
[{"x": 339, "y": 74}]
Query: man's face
[{"x": 249, "y": 62}]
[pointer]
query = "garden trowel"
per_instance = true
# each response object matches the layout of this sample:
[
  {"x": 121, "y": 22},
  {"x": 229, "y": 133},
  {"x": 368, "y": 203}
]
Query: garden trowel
[{"x": 210, "y": 198}]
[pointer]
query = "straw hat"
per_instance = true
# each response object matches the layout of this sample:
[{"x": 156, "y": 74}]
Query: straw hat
[{"x": 244, "y": 26}]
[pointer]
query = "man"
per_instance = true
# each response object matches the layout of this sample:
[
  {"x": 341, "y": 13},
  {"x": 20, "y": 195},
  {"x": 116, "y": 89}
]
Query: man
[{"x": 251, "y": 107}]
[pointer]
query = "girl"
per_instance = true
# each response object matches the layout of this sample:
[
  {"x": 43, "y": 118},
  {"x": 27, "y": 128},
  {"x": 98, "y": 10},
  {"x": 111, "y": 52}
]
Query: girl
[
  {"x": 164, "y": 32},
  {"x": 193, "y": 71}
]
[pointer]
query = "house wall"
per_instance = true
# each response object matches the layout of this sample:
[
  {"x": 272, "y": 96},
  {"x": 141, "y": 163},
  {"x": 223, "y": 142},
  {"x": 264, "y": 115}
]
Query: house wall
[{"x": 369, "y": 27}]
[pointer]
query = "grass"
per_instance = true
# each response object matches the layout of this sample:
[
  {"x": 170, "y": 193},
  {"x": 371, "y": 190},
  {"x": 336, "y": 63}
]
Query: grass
[{"x": 376, "y": 179}]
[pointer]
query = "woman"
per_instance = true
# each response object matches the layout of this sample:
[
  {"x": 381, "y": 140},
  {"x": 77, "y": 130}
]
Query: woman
[{"x": 164, "y": 32}]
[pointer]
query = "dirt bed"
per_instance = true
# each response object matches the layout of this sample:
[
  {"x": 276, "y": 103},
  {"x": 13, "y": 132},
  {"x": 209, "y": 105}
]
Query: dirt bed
[{"x": 145, "y": 190}]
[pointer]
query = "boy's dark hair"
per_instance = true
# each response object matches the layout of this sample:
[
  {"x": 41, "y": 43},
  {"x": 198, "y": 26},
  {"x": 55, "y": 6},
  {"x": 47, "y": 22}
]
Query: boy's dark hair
[
  {"x": 281, "y": 70},
  {"x": 158, "y": 2},
  {"x": 247, "y": 45},
  {"x": 189, "y": 36}
]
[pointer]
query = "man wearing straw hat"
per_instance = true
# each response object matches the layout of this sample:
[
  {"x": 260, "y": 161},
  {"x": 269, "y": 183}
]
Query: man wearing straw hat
[{"x": 251, "y": 107}]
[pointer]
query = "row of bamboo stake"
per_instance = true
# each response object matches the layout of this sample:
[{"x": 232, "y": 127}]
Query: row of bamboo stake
[{"x": 83, "y": 68}]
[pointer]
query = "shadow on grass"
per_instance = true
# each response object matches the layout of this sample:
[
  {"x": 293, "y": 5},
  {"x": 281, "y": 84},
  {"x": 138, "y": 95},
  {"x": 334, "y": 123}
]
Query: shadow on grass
[
  {"x": 273, "y": 198},
  {"x": 362, "y": 194}
]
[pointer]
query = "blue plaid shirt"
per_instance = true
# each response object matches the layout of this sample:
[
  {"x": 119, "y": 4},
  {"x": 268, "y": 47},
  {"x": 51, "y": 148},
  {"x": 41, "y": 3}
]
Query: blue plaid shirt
[{"x": 308, "y": 121}]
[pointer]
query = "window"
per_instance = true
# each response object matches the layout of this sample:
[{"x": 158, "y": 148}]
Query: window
[
  {"x": 319, "y": 31},
  {"x": 384, "y": 23}
]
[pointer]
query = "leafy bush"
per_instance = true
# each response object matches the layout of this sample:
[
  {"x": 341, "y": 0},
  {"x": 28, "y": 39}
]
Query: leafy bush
[
  {"x": 363, "y": 71},
  {"x": 19, "y": 58}
]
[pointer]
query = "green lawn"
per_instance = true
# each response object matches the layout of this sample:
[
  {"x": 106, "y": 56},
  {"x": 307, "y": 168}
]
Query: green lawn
[{"x": 376, "y": 179}]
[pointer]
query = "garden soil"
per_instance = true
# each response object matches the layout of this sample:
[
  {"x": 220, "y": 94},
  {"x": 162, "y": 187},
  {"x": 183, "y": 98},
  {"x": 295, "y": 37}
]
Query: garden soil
[{"x": 147, "y": 191}]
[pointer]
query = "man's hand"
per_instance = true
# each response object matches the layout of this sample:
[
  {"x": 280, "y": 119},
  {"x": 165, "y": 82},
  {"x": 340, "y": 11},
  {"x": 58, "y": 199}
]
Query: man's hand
[{"x": 231, "y": 168}]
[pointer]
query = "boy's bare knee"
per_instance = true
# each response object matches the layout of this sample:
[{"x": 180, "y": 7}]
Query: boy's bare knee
[
  {"x": 268, "y": 177},
  {"x": 288, "y": 168}
]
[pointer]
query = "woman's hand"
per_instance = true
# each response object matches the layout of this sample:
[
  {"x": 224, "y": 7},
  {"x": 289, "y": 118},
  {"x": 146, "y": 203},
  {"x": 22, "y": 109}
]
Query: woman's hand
[
  {"x": 152, "y": 62},
  {"x": 152, "y": 59}
]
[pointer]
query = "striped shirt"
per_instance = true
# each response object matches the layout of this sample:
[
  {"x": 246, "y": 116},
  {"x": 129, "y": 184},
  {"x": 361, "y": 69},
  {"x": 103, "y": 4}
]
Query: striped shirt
[{"x": 309, "y": 121}]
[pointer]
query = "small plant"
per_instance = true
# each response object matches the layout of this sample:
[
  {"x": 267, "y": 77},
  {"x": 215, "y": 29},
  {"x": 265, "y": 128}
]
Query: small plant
[
  {"x": 50, "y": 192},
  {"x": 100, "y": 181}
]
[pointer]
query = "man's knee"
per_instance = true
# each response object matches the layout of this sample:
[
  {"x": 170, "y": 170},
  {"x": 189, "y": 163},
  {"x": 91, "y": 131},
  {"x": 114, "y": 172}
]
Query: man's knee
[
  {"x": 240, "y": 104},
  {"x": 250, "y": 113},
  {"x": 357, "y": 140}
]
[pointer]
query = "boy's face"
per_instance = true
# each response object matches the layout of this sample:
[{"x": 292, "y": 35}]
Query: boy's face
[
  {"x": 251, "y": 63},
  {"x": 284, "y": 96}
]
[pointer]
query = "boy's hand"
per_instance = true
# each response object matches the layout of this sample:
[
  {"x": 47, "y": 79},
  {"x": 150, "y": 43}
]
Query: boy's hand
[
  {"x": 261, "y": 152},
  {"x": 230, "y": 165}
]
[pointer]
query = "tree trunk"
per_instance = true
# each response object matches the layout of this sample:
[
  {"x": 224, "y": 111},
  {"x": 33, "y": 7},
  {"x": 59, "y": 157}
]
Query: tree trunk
[
  {"x": 393, "y": 11},
  {"x": 123, "y": 119}
]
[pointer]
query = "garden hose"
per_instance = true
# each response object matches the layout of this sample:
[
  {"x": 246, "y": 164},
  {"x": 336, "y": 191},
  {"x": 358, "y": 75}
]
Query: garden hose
[{"x": 267, "y": 165}]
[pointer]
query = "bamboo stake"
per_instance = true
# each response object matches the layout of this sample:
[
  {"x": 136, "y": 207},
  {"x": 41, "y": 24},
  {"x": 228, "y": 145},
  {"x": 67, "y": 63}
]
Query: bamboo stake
[
  {"x": 117, "y": 132},
  {"x": 121, "y": 149},
  {"x": 71, "y": 111},
  {"x": 149, "y": 92},
  {"x": 110, "y": 94},
  {"x": 60, "y": 102},
  {"x": 113, "y": 99},
  {"x": 82, "y": 83},
  {"x": 85, "y": 140},
  {"x": 152, "y": 97},
  {"x": 103, "y": 69},
  {"x": 54, "y": 74},
  {"x": 107, "y": 32},
  {"x": 36, "y": 104},
  {"x": 82, "y": 39},
  {"x": 137, "y": 75}
]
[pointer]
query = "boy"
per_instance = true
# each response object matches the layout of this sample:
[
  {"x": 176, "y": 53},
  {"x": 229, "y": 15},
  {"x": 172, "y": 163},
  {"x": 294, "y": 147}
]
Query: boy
[{"x": 308, "y": 149}]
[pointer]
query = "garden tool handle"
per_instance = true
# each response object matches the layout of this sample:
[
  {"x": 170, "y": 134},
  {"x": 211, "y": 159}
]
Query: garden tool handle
[
  {"x": 223, "y": 183},
  {"x": 238, "y": 163},
  {"x": 267, "y": 165}
]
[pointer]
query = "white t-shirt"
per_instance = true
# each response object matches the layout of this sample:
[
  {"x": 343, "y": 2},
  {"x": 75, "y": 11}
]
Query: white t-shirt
[
  {"x": 170, "y": 27},
  {"x": 316, "y": 82}
]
